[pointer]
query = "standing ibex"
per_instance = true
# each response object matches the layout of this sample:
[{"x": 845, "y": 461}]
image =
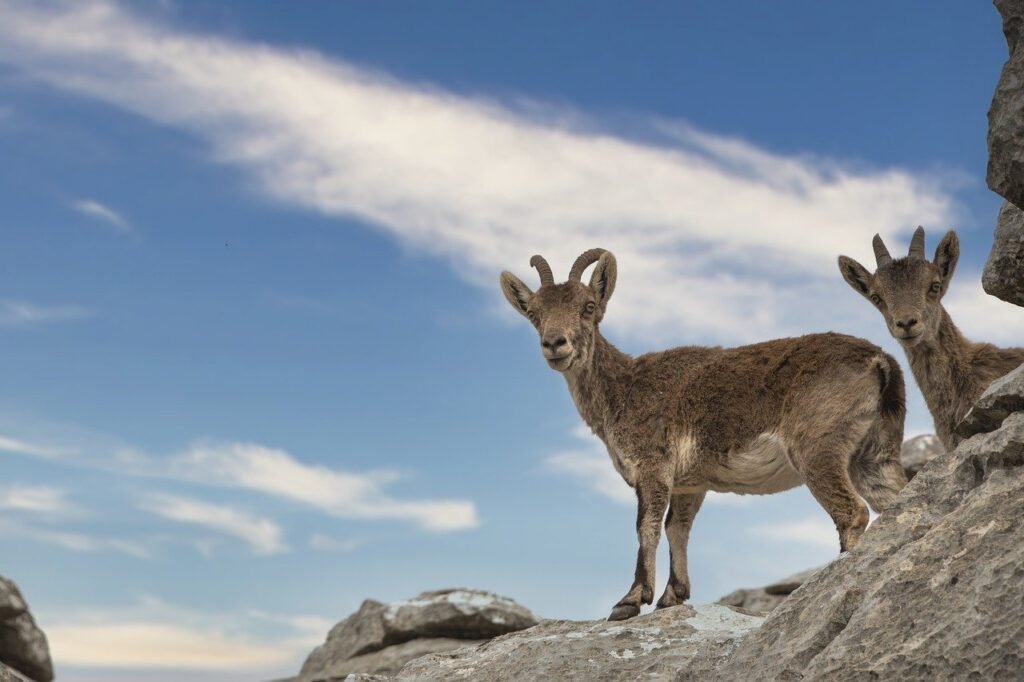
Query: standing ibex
[
  {"x": 951, "y": 371},
  {"x": 825, "y": 409}
]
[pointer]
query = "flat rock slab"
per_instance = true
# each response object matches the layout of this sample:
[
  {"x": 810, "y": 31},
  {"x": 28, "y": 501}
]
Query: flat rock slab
[
  {"x": 1003, "y": 397},
  {"x": 456, "y": 614},
  {"x": 680, "y": 643},
  {"x": 762, "y": 600},
  {"x": 1003, "y": 276},
  {"x": 1006, "y": 114},
  {"x": 933, "y": 591}
]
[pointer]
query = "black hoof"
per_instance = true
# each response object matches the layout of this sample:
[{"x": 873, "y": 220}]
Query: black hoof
[{"x": 624, "y": 611}]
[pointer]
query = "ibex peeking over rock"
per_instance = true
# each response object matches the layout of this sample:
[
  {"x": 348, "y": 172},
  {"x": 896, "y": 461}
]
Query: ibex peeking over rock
[
  {"x": 951, "y": 371},
  {"x": 825, "y": 409}
]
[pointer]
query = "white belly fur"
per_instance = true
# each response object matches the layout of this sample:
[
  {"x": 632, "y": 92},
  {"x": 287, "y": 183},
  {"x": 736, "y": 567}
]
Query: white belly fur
[{"x": 762, "y": 467}]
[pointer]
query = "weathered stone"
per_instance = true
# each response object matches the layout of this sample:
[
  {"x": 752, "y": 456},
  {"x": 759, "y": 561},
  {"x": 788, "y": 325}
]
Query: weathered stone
[
  {"x": 11, "y": 675},
  {"x": 934, "y": 589},
  {"x": 761, "y": 600},
  {"x": 440, "y": 615},
  {"x": 389, "y": 660},
  {"x": 918, "y": 451},
  {"x": 1003, "y": 276},
  {"x": 22, "y": 644},
  {"x": 679, "y": 643},
  {"x": 1003, "y": 397},
  {"x": 1006, "y": 114}
]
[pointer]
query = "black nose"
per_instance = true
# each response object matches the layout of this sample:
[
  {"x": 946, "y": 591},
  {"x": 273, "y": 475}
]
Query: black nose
[
  {"x": 553, "y": 342},
  {"x": 906, "y": 324}
]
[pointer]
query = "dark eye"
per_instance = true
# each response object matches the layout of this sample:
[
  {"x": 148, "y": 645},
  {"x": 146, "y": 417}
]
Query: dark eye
[
  {"x": 935, "y": 288},
  {"x": 589, "y": 307},
  {"x": 876, "y": 299}
]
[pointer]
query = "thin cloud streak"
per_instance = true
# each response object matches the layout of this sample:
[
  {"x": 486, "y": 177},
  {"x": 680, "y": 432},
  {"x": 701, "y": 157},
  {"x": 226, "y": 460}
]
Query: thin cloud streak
[
  {"x": 75, "y": 542},
  {"x": 709, "y": 221},
  {"x": 103, "y": 213},
  {"x": 39, "y": 499},
  {"x": 262, "y": 535},
  {"x": 15, "y": 314}
]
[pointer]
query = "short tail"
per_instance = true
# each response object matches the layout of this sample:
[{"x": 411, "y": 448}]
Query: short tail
[{"x": 875, "y": 469}]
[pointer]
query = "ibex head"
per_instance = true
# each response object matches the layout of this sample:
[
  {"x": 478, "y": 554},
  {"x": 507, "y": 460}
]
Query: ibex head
[
  {"x": 566, "y": 315},
  {"x": 907, "y": 290}
]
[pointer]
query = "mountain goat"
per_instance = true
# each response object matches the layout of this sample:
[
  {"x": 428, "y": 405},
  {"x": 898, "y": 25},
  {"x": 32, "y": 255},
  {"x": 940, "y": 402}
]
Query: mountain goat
[{"x": 825, "y": 410}]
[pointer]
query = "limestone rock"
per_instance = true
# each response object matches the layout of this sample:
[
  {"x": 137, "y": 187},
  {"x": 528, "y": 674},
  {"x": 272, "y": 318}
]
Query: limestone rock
[
  {"x": 1003, "y": 276},
  {"x": 440, "y": 616},
  {"x": 1004, "y": 396},
  {"x": 934, "y": 589},
  {"x": 11, "y": 675},
  {"x": 1006, "y": 114},
  {"x": 761, "y": 600},
  {"x": 679, "y": 643},
  {"x": 918, "y": 451},
  {"x": 389, "y": 660},
  {"x": 23, "y": 645}
]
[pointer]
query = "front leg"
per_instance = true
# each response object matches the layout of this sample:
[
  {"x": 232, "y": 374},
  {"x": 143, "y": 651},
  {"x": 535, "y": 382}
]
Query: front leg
[
  {"x": 677, "y": 528},
  {"x": 652, "y": 500}
]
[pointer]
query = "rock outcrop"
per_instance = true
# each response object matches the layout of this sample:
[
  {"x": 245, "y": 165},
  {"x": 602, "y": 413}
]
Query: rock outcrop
[
  {"x": 934, "y": 589},
  {"x": 1002, "y": 398},
  {"x": 918, "y": 451},
  {"x": 11, "y": 675},
  {"x": 381, "y": 638},
  {"x": 762, "y": 600},
  {"x": 680, "y": 643},
  {"x": 1006, "y": 114},
  {"x": 1003, "y": 276},
  {"x": 23, "y": 645}
]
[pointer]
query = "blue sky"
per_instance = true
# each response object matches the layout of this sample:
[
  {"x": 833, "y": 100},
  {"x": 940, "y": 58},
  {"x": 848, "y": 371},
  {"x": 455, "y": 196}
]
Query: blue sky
[{"x": 256, "y": 364}]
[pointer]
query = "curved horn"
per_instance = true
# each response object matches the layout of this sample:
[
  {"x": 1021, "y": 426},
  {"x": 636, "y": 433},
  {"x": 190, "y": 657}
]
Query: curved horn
[
  {"x": 543, "y": 269},
  {"x": 917, "y": 243},
  {"x": 882, "y": 256},
  {"x": 586, "y": 258}
]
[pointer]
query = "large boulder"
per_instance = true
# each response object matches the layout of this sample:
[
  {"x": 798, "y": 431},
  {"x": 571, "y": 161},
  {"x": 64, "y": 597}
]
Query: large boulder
[
  {"x": 380, "y": 638},
  {"x": 23, "y": 645},
  {"x": 1006, "y": 114},
  {"x": 680, "y": 643},
  {"x": 934, "y": 589},
  {"x": 761, "y": 600},
  {"x": 1004, "y": 396},
  {"x": 918, "y": 451},
  {"x": 1003, "y": 276}
]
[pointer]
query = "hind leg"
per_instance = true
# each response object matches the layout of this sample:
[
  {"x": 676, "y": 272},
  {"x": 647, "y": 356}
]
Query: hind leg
[
  {"x": 825, "y": 472},
  {"x": 875, "y": 469},
  {"x": 681, "y": 512}
]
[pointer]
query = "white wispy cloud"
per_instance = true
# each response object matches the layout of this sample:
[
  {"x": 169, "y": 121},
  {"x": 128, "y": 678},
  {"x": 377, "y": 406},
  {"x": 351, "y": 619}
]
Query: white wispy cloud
[
  {"x": 592, "y": 468},
  {"x": 41, "y": 499},
  {"x": 70, "y": 540},
  {"x": 262, "y": 535},
  {"x": 702, "y": 224},
  {"x": 812, "y": 531},
  {"x": 25, "y": 314},
  {"x": 339, "y": 493},
  {"x": 154, "y": 635},
  {"x": 22, "y": 447},
  {"x": 103, "y": 213}
]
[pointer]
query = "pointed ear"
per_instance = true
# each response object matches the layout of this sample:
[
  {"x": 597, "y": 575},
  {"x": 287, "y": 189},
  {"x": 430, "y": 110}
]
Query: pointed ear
[
  {"x": 517, "y": 293},
  {"x": 602, "y": 281},
  {"x": 856, "y": 275},
  {"x": 947, "y": 253}
]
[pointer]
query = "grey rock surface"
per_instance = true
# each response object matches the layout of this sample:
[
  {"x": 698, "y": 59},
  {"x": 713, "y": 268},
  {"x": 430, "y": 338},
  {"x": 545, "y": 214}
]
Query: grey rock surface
[
  {"x": 934, "y": 590},
  {"x": 1003, "y": 397},
  {"x": 761, "y": 600},
  {"x": 1006, "y": 114},
  {"x": 918, "y": 451},
  {"x": 23, "y": 645},
  {"x": 389, "y": 660},
  {"x": 11, "y": 675},
  {"x": 442, "y": 616},
  {"x": 1003, "y": 276},
  {"x": 680, "y": 643}
]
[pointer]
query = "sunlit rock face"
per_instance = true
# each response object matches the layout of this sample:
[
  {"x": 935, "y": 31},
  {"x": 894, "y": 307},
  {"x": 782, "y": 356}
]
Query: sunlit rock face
[{"x": 23, "y": 645}]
